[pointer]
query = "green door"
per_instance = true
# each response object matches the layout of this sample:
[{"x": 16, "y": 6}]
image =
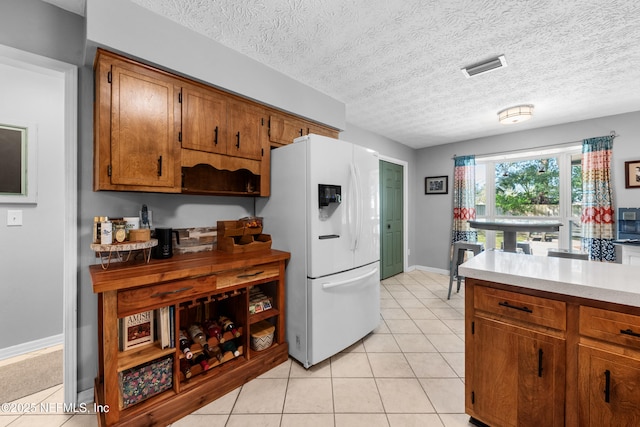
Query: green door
[{"x": 391, "y": 203}]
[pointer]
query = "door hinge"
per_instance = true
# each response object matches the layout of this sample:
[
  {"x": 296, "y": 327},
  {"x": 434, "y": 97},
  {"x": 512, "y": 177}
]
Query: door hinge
[
  {"x": 109, "y": 76},
  {"x": 262, "y": 121},
  {"x": 109, "y": 170},
  {"x": 473, "y": 328},
  {"x": 180, "y": 136},
  {"x": 262, "y": 152},
  {"x": 473, "y": 397},
  {"x": 180, "y": 97}
]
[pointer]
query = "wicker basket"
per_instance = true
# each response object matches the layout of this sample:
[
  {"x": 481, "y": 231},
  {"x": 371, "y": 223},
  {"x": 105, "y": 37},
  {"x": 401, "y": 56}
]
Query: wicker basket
[{"x": 262, "y": 335}]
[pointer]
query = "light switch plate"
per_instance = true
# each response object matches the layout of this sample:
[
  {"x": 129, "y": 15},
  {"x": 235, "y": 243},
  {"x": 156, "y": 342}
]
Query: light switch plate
[{"x": 14, "y": 217}]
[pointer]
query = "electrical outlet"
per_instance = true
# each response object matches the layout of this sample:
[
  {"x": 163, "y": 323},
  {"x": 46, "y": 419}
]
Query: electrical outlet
[{"x": 14, "y": 218}]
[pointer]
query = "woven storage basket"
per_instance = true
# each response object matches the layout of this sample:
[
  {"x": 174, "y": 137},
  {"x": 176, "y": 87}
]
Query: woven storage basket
[{"x": 262, "y": 335}]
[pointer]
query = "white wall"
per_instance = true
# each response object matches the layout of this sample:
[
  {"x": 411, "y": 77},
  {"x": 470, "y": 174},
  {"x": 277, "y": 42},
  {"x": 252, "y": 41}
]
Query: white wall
[
  {"x": 31, "y": 255},
  {"x": 435, "y": 211}
]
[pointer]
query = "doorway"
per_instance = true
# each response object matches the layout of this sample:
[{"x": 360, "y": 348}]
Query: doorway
[
  {"x": 391, "y": 219},
  {"x": 43, "y": 92}
]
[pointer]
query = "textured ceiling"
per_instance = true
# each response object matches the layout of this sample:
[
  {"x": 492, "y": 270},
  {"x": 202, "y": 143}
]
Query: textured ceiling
[{"x": 396, "y": 63}]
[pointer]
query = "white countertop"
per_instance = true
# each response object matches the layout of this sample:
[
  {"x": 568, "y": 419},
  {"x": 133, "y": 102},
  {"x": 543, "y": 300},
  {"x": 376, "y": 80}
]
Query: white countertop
[{"x": 616, "y": 283}]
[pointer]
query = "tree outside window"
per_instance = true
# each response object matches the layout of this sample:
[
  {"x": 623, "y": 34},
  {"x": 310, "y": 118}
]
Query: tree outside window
[{"x": 528, "y": 188}]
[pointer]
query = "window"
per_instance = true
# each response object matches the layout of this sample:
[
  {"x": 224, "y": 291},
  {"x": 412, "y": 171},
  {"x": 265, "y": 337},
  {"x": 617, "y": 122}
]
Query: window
[{"x": 546, "y": 184}]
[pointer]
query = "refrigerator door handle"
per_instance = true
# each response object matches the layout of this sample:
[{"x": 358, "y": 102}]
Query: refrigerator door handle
[
  {"x": 360, "y": 204},
  {"x": 353, "y": 209},
  {"x": 356, "y": 228},
  {"x": 328, "y": 285}
]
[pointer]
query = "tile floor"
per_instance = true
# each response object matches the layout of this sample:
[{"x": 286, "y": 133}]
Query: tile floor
[{"x": 408, "y": 372}]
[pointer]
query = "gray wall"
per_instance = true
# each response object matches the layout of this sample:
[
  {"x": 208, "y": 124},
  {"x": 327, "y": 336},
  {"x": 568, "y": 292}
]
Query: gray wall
[
  {"x": 38, "y": 27},
  {"x": 435, "y": 211},
  {"x": 31, "y": 255},
  {"x": 123, "y": 26}
]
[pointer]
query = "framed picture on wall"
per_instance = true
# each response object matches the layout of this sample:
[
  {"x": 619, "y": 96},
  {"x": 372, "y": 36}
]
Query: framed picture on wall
[
  {"x": 436, "y": 185},
  {"x": 17, "y": 163},
  {"x": 632, "y": 174}
]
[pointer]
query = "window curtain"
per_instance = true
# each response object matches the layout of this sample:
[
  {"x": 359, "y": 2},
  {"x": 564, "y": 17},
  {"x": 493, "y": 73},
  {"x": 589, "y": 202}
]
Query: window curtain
[
  {"x": 464, "y": 198},
  {"x": 598, "y": 230}
]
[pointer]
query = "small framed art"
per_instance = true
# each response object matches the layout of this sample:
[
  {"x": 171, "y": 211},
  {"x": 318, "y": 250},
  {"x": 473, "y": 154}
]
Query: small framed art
[
  {"x": 18, "y": 179},
  {"x": 436, "y": 185},
  {"x": 632, "y": 174}
]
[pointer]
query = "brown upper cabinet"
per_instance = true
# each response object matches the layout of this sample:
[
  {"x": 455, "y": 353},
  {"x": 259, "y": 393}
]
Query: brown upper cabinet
[
  {"x": 137, "y": 117},
  {"x": 283, "y": 129},
  {"x": 204, "y": 120},
  {"x": 157, "y": 132}
]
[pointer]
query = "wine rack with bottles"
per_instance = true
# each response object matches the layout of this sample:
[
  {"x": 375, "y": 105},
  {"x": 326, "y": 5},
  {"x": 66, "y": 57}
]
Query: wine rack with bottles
[{"x": 208, "y": 299}]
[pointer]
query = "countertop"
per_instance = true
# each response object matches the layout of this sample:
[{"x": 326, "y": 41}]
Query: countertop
[
  {"x": 134, "y": 274},
  {"x": 608, "y": 282}
]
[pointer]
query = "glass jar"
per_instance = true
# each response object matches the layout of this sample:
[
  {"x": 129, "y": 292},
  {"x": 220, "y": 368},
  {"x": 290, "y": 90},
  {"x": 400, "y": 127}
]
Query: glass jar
[{"x": 119, "y": 230}]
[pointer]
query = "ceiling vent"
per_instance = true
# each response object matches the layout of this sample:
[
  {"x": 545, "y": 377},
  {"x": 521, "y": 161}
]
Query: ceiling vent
[{"x": 485, "y": 67}]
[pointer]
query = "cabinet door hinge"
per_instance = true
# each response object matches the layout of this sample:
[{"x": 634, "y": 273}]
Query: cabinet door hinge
[
  {"x": 180, "y": 136},
  {"x": 262, "y": 121},
  {"x": 180, "y": 97},
  {"x": 109, "y": 76},
  {"x": 473, "y": 397},
  {"x": 262, "y": 152},
  {"x": 473, "y": 328},
  {"x": 109, "y": 170}
]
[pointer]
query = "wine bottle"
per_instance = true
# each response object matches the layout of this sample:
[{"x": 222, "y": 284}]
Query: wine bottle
[
  {"x": 231, "y": 346},
  {"x": 217, "y": 353},
  {"x": 202, "y": 360},
  {"x": 198, "y": 337},
  {"x": 185, "y": 367},
  {"x": 184, "y": 345},
  {"x": 214, "y": 330},
  {"x": 229, "y": 326}
]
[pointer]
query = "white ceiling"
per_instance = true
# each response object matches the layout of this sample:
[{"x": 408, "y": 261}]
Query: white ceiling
[{"x": 396, "y": 63}]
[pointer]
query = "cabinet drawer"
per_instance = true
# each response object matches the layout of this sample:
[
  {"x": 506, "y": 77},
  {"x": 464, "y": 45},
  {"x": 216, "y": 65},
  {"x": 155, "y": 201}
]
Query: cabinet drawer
[
  {"x": 246, "y": 275},
  {"x": 531, "y": 309},
  {"x": 618, "y": 328},
  {"x": 149, "y": 297}
]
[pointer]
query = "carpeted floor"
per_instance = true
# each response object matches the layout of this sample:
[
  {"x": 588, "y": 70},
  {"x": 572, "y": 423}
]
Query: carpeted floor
[{"x": 30, "y": 375}]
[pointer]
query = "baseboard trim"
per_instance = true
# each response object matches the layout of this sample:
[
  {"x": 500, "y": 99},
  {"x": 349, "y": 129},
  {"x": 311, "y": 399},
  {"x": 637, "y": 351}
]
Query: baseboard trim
[
  {"x": 86, "y": 396},
  {"x": 430, "y": 269},
  {"x": 30, "y": 346}
]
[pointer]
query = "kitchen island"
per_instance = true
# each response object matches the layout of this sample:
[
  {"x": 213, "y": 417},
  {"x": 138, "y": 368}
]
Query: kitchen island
[{"x": 551, "y": 341}]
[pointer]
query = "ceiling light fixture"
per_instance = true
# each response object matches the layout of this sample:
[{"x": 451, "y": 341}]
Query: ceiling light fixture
[
  {"x": 485, "y": 67},
  {"x": 516, "y": 114}
]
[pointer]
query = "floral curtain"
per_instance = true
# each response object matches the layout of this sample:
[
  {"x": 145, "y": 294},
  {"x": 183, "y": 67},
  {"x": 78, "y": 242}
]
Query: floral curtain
[
  {"x": 598, "y": 229},
  {"x": 464, "y": 198}
]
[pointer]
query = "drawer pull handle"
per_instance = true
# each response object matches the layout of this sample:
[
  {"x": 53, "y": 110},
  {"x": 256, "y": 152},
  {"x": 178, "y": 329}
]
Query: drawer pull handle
[
  {"x": 175, "y": 291},
  {"x": 243, "y": 276},
  {"x": 515, "y": 307},
  {"x": 540, "y": 362},
  {"x": 629, "y": 332},
  {"x": 607, "y": 386}
]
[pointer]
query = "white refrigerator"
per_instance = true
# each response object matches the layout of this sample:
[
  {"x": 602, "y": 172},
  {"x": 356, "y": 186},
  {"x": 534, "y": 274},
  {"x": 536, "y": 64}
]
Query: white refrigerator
[{"x": 324, "y": 210}]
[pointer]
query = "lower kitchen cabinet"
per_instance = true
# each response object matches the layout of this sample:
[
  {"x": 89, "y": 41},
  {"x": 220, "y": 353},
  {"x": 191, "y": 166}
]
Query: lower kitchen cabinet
[
  {"x": 544, "y": 359},
  {"x": 609, "y": 388},
  {"x": 515, "y": 363},
  {"x": 144, "y": 376},
  {"x": 516, "y": 372}
]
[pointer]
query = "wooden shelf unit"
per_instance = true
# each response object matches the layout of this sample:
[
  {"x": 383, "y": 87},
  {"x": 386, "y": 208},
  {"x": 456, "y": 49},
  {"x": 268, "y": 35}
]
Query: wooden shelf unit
[{"x": 189, "y": 284}]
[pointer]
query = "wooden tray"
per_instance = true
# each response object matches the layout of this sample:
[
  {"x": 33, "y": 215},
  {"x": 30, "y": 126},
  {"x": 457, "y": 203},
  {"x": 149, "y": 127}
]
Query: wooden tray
[{"x": 245, "y": 243}]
